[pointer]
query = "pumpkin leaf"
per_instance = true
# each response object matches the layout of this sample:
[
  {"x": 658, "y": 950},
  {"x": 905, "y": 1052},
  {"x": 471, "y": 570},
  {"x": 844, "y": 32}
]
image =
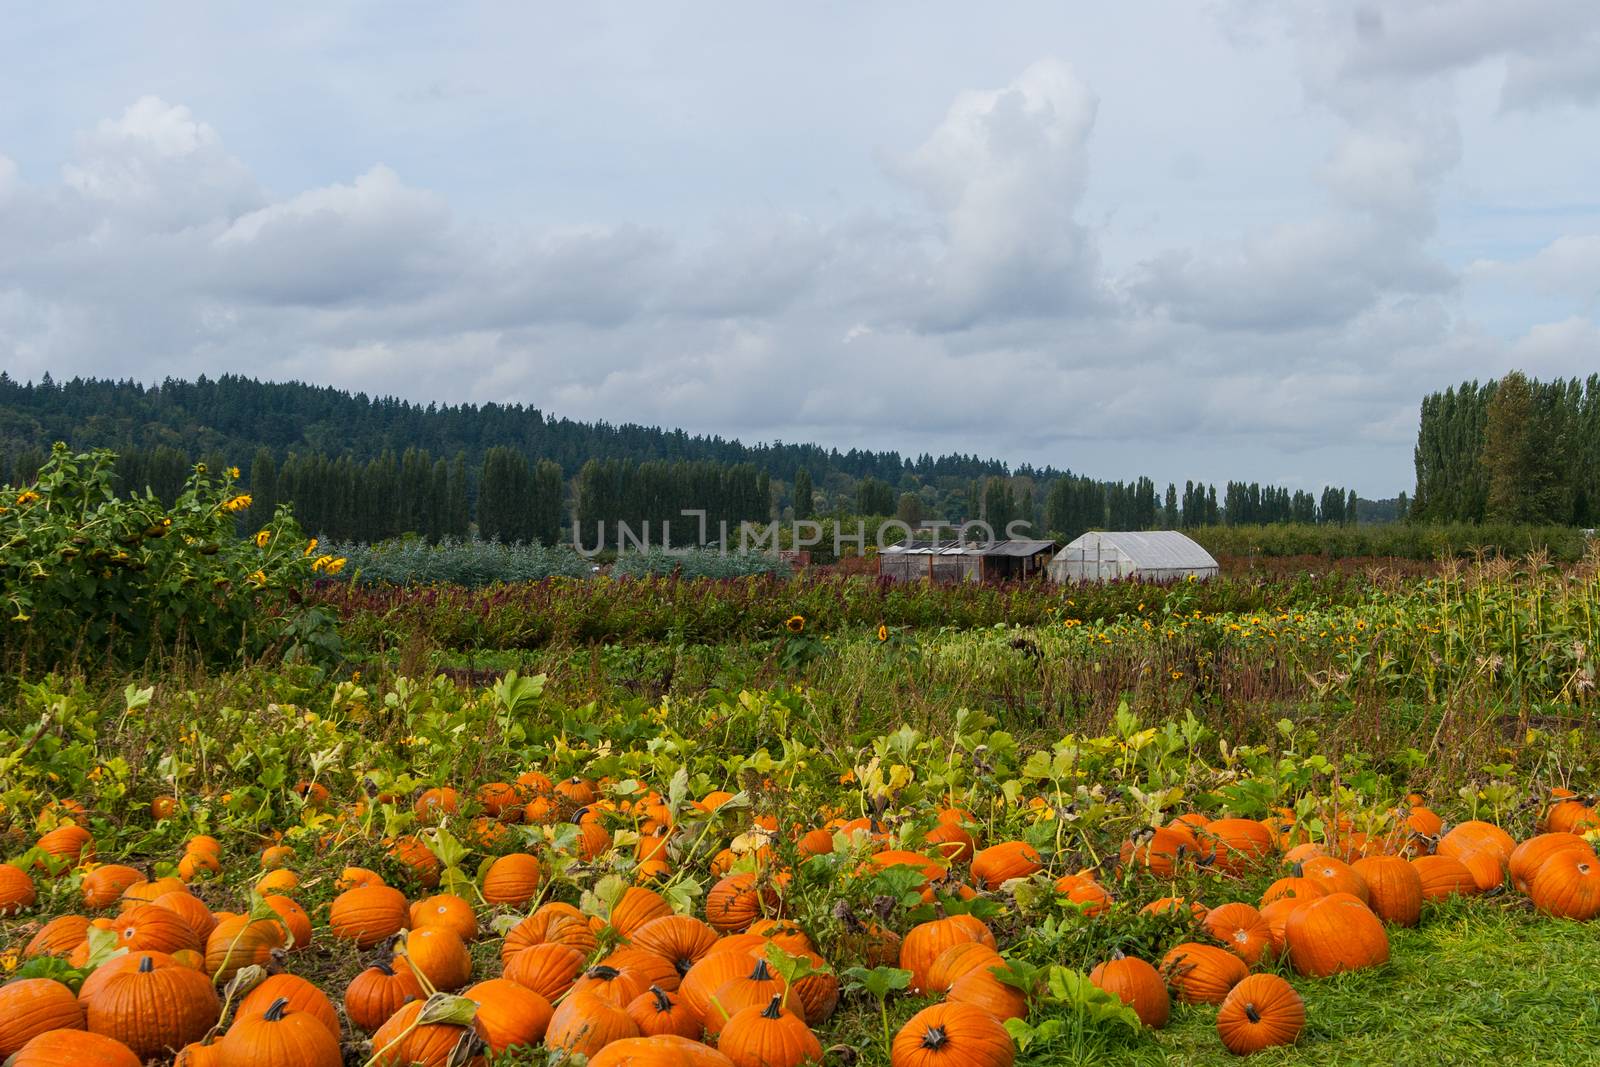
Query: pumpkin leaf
[
  {"x": 447, "y": 1009},
  {"x": 878, "y": 982},
  {"x": 103, "y": 947}
]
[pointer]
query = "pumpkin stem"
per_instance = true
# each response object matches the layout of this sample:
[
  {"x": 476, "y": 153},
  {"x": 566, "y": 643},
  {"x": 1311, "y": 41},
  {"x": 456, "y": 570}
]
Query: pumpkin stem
[
  {"x": 935, "y": 1038},
  {"x": 384, "y": 968},
  {"x": 603, "y": 972},
  {"x": 761, "y": 973},
  {"x": 663, "y": 1002},
  {"x": 1251, "y": 1013},
  {"x": 275, "y": 1010},
  {"x": 1298, "y": 870},
  {"x": 147, "y": 965},
  {"x": 774, "y": 1009}
]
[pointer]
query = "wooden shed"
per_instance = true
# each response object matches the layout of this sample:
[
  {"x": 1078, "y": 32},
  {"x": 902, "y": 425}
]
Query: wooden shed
[{"x": 965, "y": 561}]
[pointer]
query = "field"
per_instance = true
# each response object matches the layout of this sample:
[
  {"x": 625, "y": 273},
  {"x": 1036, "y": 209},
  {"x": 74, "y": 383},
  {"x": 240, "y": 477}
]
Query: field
[{"x": 639, "y": 771}]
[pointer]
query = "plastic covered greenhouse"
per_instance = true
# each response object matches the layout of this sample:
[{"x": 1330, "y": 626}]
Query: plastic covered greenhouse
[{"x": 1154, "y": 555}]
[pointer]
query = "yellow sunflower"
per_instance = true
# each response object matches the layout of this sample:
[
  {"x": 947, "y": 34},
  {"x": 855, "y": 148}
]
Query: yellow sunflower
[{"x": 795, "y": 624}]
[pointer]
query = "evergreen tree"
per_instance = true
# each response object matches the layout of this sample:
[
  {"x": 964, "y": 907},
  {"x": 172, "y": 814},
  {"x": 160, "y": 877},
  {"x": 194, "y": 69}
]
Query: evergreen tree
[{"x": 802, "y": 494}]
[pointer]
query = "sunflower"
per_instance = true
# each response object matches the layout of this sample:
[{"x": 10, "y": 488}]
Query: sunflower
[
  {"x": 883, "y": 633},
  {"x": 795, "y": 624},
  {"x": 262, "y": 537}
]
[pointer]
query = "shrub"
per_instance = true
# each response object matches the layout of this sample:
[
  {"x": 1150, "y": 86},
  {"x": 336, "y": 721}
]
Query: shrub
[
  {"x": 471, "y": 563},
  {"x": 86, "y": 575}
]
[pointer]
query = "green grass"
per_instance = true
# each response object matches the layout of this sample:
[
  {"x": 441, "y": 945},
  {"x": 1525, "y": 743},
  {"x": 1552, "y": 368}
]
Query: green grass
[{"x": 1477, "y": 983}]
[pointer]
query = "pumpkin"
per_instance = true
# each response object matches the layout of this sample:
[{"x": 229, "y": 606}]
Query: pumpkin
[
  {"x": 401, "y": 1043},
  {"x": 663, "y": 1050},
  {"x": 500, "y": 800},
  {"x": 997, "y": 864},
  {"x": 548, "y": 969},
  {"x": 1260, "y": 1012},
  {"x": 509, "y": 1014},
  {"x": 103, "y": 886},
  {"x": 752, "y": 988},
  {"x": 32, "y": 1006},
  {"x": 418, "y": 859},
  {"x": 357, "y": 878},
  {"x": 1175, "y": 906},
  {"x": 1333, "y": 934},
  {"x": 1138, "y": 985},
  {"x": 923, "y": 944},
  {"x": 281, "y": 880},
  {"x": 1394, "y": 888},
  {"x": 436, "y": 802},
  {"x": 1568, "y": 885},
  {"x": 586, "y": 1023},
  {"x": 294, "y": 919},
  {"x": 982, "y": 987},
  {"x": 279, "y": 1037},
  {"x": 446, "y": 909},
  {"x": 651, "y": 968},
  {"x": 54, "y": 1048},
  {"x": 952, "y": 1035},
  {"x": 1233, "y": 844},
  {"x": 1476, "y": 836},
  {"x": 191, "y": 909},
  {"x": 556, "y": 922},
  {"x": 1082, "y": 889},
  {"x": 1528, "y": 857},
  {"x": 367, "y": 915},
  {"x": 735, "y": 902},
  {"x": 238, "y": 942},
  {"x": 656, "y": 1012},
  {"x": 956, "y": 961},
  {"x": 1336, "y": 876},
  {"x": 148, "y": 927},
  {"x": 1201, "y": 974},
  {"x": 198, "y": 866},
  {"x": 71, "y": 843},
  {"x": 275, "y": 856},
  {"x": 1569, "y": 815},
  {"x": 17, "y": 892},
  {"x": 1241, "y": 930},
  {"x": 374, "y": 995},
  {"x": 950, "y": 839},
  {"x": 438, "y": 955},
  {"x": 619, "y": 987},
  {"x": 700, "y": 985},
  {"x": 636, "y": 907},
  {"x": 1160, "y": 851},
  {"x": 1444, "y": 876},
  {"x": 768, "y": 1037},
  {"x": 58, "y": 937},
  {"x": 297, "y": 994},
  {"x": 512, "y": 879},
  {"x": 151, "y": 1007},
  {"x": 1295, "y": 885},
  {"x": 681, "y": 939}
]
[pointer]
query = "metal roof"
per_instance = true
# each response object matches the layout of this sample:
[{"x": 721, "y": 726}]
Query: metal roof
[
  {"x": 1149, "y": 549},
  {"x": 970, "y": 548}
]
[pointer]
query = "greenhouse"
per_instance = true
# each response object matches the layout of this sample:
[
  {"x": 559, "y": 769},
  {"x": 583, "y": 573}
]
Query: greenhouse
[{"x": 1154, "y": 555}]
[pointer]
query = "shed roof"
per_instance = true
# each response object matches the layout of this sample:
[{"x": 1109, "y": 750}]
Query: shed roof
[
  {"x": 970, "y": 548},
  {"x": 1150, "y": 549}
]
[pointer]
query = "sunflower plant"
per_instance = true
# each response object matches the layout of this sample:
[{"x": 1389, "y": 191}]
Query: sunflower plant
[{"x": 90, "y": 576}]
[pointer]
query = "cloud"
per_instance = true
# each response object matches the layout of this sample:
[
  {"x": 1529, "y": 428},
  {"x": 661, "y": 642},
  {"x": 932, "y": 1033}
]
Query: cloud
[
  {"x": 1005, "y": 172},
  {"x": 970, "y": 310}
]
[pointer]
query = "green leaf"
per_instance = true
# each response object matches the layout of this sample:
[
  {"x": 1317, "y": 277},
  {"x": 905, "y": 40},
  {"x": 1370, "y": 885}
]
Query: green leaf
[{"x": 878, "y": 982}]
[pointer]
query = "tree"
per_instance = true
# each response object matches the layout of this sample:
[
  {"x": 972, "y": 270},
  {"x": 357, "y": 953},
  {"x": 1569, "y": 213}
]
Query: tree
[
  {"x": 1169, "y": 514},
  {"x": 802, "y": 494},
  {"x": 909, "y": 510},
  {"x": 1521, "y": 453}
]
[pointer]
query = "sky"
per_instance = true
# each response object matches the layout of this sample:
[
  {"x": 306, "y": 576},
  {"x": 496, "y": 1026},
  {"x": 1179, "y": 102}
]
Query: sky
[{"x": 1236, "y": 239}]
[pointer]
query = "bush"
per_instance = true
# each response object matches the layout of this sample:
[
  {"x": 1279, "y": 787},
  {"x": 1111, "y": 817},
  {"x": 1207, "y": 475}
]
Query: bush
[
  {"x": 86, "y": 575},
  {"x": 474, "y": 563},
  {"x": 1396, "y": 540},
  {"x": 697, "y": 564}
]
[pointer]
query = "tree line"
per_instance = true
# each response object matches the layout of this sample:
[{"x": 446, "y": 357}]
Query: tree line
[
  {"x": 364, "y": 470},
  {"x": 1515, "y": 450}
]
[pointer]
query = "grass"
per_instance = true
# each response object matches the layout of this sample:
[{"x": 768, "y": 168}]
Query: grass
[{"x": 1476, "y": 983}]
